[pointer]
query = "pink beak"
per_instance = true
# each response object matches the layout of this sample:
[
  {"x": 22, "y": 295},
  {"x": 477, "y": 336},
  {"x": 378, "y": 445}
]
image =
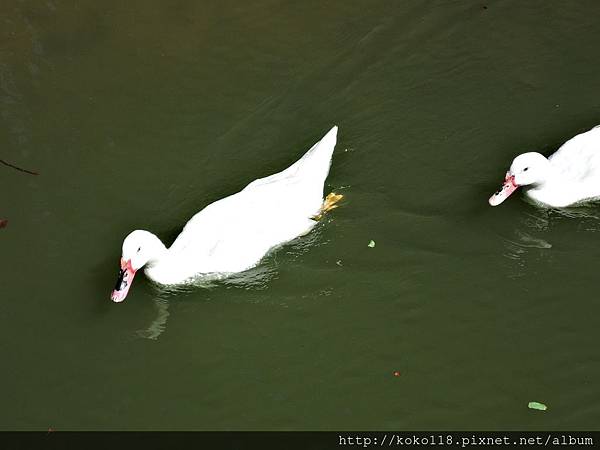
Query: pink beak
[
  {"x": 126, "y": 274},
  {"x": 507, "y": 188}
]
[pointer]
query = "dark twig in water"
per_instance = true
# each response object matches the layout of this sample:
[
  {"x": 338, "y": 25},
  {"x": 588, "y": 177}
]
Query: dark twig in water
[
  {"x": 30, "y": 172},
  {"x": 3, "y": 223}
]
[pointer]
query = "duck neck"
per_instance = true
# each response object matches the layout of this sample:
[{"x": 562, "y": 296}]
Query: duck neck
[
  {"x": 548, "y": 173},
  {"x": 158, "y": 250}
]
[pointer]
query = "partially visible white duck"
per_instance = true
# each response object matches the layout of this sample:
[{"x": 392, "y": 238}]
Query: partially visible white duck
[
  {"x": 571, "y": 175},
  {"x": 233, "y": 234}
]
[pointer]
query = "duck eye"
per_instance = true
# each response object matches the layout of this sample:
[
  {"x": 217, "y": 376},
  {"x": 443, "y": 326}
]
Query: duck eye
[
  {"x": 525, "y": 169},
  {"x": 139, "y": 248}
]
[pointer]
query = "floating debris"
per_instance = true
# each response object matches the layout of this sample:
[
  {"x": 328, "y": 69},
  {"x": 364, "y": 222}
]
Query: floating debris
[
  {"x": 396, "y": 373},
  {"x": 371, "y": 243},
  {"x": 30, "y": 172},
  {"x": 3, "y": 223},
  {"x": 537, "y": 405},
  {"x": 339, "y": 262}
]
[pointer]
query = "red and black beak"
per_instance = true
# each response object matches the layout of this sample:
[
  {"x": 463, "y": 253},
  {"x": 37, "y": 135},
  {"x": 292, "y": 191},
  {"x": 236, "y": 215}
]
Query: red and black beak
[
  {"x": 124, "y": 280},
  {"x": 507, "y": 188}
]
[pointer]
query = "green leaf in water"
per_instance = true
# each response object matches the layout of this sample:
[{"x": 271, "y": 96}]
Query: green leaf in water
[
  {"x": 536, "y": 405},
  {"x": 371, "y": 243}
]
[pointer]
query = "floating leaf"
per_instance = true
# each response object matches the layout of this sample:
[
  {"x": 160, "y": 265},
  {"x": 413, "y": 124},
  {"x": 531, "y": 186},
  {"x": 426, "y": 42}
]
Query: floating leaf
[
  {"x": 371, "y": 243},
  {"x": 3, "y": 223},
  {"x": 536, "y": 405}
]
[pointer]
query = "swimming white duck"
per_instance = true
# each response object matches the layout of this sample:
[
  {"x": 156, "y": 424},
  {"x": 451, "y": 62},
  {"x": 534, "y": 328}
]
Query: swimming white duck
[
  {"x": 571, "y": 175},
  {"x": 233, "y": 234}
]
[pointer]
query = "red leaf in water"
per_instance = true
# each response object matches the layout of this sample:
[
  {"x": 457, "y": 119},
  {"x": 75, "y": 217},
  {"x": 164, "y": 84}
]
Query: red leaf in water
[{"x": 3, "y": 223}]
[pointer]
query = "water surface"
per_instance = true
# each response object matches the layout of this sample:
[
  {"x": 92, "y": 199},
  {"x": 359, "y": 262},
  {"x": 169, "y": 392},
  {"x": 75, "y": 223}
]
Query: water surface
[{"x": 138, "y": 115}]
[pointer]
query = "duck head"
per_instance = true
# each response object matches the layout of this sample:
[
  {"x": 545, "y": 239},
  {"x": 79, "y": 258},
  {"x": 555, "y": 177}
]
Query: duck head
[
  {"x": 527, "y": 169},
  {"x": 139, "y": 248}
]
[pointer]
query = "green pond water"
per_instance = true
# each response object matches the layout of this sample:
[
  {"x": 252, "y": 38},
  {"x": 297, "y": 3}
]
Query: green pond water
[{"x": 138, "y": 114}]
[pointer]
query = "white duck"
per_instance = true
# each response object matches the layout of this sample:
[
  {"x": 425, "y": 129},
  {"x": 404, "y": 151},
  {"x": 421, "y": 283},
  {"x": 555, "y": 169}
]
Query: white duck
[
  {"x": 571, "y": 175},
  {"x": 233, "y": 234}
]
